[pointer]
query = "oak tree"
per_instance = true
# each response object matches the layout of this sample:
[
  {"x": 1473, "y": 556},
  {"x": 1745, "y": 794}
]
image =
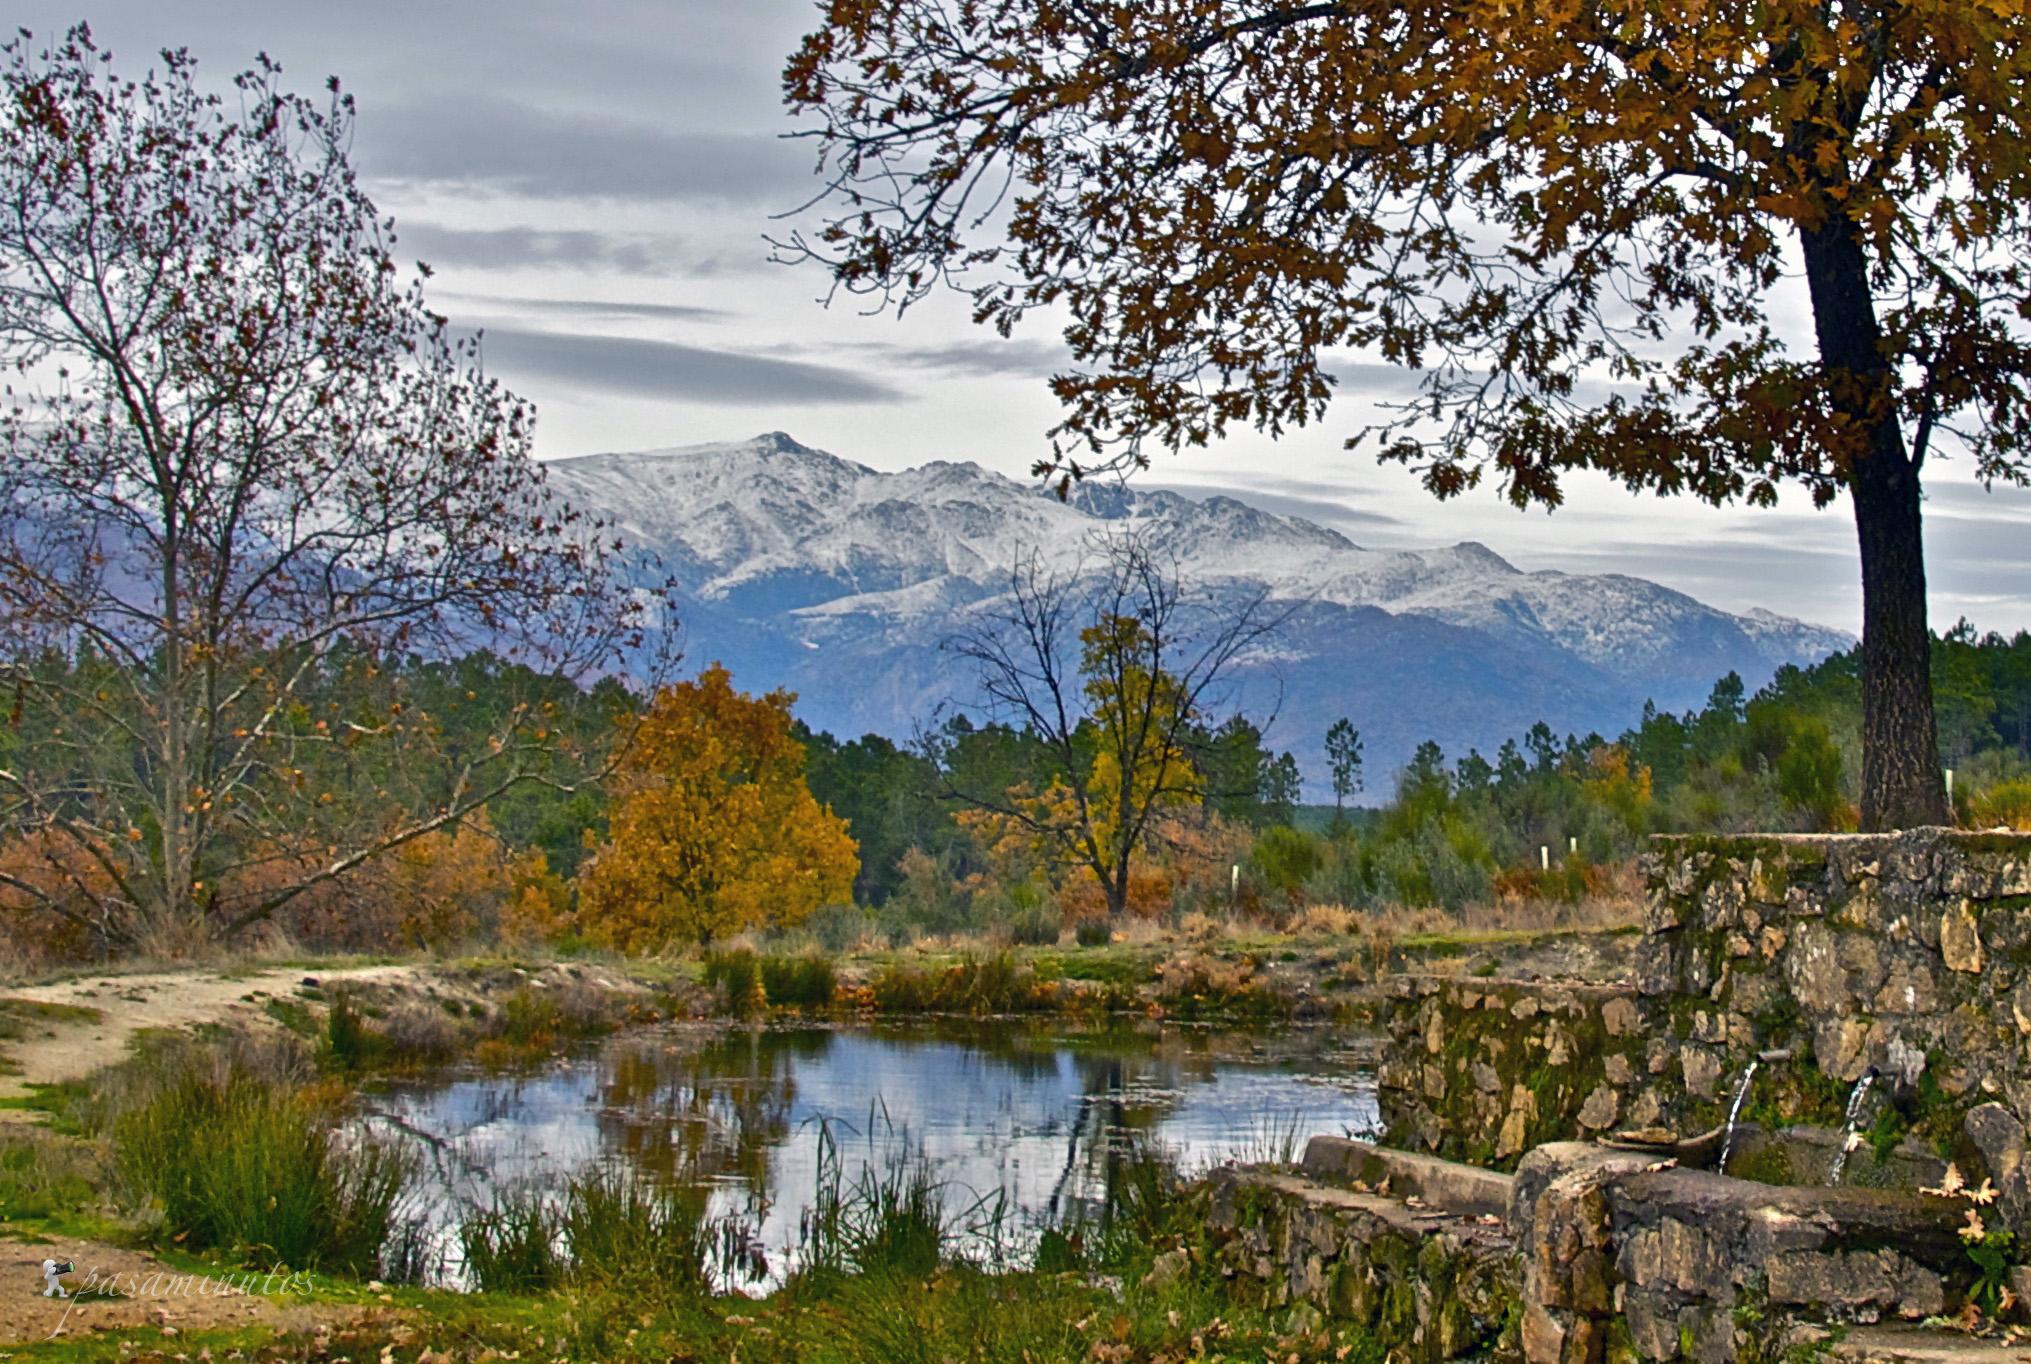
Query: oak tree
[
  {"x": 246, "y": 472},
  {"x": 1579, "y": 222},
  {"x": 713, "y": 831}
]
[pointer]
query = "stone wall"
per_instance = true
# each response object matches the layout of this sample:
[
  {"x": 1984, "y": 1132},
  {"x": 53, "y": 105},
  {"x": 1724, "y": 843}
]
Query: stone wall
[
  {"x": 1483, "y": 1070},
  {"x": 1815, "y": 957},
  {"x": 1428, "y": 1281}
]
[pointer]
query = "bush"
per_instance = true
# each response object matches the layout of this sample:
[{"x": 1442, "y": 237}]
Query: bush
[
  {"x": 1286, "y": 859},
  {"x": 244, "y": 1164},
  {"x": 1034, "y": 926},
  {"x": 1093, "y": 933}
]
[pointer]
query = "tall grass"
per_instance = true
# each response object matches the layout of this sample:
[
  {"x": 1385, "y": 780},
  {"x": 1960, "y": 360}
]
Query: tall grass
[
  {"x": 512, "y": 1245},
  {"x": 746, "y": 981},
  {"x": 805, "y": 980},
  {"x": 992, "y": 984},
  {"x": 247, "y": 1163},
  {"x": 609, "y": 1228},
  {"x": 889, "y": 1218}
]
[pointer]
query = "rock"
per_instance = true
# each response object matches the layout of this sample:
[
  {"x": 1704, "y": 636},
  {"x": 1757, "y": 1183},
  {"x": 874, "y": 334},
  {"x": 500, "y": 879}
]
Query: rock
[
  {"x": 1702, "y": 1070},
  {"x": 1601, "y": 1109},
  {"x": 1620, "y": 1017},
  {"x": 1544, "y": 1340},
  {"x": 1960, "y": 939},
  {"x": 1617, "y": 1069},
  {"x": 1167, "y": 1271},
  {"x": 1995, "y": 1131}
]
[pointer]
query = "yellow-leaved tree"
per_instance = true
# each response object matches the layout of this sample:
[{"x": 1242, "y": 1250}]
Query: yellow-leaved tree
[
  {"x": 715, "y": 830},
  {"x": 1152, "y": 658}
]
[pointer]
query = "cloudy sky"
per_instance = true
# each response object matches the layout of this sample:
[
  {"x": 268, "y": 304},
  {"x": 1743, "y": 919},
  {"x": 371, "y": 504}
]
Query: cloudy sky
[{"x": 593, "y": 183}]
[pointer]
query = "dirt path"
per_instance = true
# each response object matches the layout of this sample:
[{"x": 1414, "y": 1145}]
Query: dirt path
[{"x": 60, "y": 1049}]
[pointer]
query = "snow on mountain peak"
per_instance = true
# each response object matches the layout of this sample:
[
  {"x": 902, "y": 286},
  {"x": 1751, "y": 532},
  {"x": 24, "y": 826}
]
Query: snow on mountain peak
[{"x": 781, "y": 537}]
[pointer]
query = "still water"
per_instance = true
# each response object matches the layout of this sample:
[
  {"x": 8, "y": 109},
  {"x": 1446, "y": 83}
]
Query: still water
[{"x": 1030, "y": 1116}]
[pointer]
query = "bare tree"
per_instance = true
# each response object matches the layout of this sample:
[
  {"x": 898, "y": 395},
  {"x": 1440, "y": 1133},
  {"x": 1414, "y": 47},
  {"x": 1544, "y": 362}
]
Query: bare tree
[
  {"x": 246, "y": 468},
  {"x": 1113, "y": 666}
]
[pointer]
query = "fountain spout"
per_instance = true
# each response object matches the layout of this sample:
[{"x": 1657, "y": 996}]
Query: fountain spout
[
  {"x": 1734, "y": 1113},
  {"x": 1851, "y": 1128}
]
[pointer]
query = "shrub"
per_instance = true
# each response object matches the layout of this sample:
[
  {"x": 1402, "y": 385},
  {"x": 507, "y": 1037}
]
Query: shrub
[
  {"x": 1092, "y": 933},
  {"x": 1285, "y": 858},
  {"x": 1034, "y": 926}
]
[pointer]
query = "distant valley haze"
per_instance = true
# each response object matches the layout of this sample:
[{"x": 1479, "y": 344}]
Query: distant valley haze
[{"x": 593, "y": 183}]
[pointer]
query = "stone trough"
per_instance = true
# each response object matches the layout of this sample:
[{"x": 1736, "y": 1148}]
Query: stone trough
[
  {"x": 1585, "y": 1253},
  {"x": 1838, "y": 1017}
]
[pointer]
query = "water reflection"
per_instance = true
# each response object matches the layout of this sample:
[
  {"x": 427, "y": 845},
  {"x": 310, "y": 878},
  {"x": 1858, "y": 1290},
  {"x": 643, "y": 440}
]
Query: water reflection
[{"x": 1040, "y": 1118}]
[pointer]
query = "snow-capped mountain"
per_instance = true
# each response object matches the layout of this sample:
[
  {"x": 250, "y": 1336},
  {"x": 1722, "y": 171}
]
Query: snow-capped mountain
[{"x": 797, "y": 568}]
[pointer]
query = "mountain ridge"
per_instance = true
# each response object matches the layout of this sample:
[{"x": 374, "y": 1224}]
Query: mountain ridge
[{"x": 799, "y": 568}]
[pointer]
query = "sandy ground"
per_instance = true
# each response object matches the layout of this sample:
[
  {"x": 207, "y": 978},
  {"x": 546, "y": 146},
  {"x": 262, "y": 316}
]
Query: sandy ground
[
  {"x": 63, "y": 1050},
  {"x": 147, "y": 1293},
  {"x": 150, "y": 1294}
]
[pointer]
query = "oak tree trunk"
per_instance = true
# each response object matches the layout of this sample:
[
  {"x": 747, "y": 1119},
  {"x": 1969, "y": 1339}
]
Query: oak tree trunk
[{"x": 1902, "y": 786}]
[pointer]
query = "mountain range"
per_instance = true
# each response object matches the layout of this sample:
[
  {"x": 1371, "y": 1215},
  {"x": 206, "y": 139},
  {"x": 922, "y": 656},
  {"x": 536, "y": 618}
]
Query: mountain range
[{"x": 799, "y": 569}]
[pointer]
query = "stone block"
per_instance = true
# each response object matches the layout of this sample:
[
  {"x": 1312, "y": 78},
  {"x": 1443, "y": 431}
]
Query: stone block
[{"x": 1960, "y": 939}]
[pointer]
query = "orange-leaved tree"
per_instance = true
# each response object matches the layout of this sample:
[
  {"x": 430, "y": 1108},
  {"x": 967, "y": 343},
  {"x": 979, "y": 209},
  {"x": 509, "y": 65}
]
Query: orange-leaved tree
[
  {"x": 714, "y": 830},
  {"x": 1572, "y": 219}
]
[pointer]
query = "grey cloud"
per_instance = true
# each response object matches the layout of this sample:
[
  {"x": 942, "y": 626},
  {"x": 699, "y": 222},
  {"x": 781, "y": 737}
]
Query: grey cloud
[
  {"x": 666, "y": 370},
  {"x": 1960, "y": 496},
  {"x": 509, "y": 147},
  {"x": 520, "y": 248},
  {"x": 593, "y": 307},
  {"x": 989, "y": 358},
  {"x": 1321, "y": 510}
]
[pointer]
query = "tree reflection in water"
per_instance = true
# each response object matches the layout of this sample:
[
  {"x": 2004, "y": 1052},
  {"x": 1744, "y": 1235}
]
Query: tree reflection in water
[{"x": 1045, "y": 1121}]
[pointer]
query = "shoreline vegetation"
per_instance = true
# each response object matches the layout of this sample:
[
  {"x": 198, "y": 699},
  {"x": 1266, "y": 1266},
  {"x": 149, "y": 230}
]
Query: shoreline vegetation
[{"x": 209, "y": 1152}]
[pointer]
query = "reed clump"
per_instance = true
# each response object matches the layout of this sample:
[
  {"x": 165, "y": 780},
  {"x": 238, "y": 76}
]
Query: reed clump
[{"x": 245, "y": 1157}]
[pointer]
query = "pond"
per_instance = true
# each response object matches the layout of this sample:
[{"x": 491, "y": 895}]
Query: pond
[{"x": 1032, "y": 1118}]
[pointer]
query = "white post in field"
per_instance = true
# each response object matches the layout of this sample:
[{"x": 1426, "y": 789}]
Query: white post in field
[{"x": 1544, "y": 856}]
